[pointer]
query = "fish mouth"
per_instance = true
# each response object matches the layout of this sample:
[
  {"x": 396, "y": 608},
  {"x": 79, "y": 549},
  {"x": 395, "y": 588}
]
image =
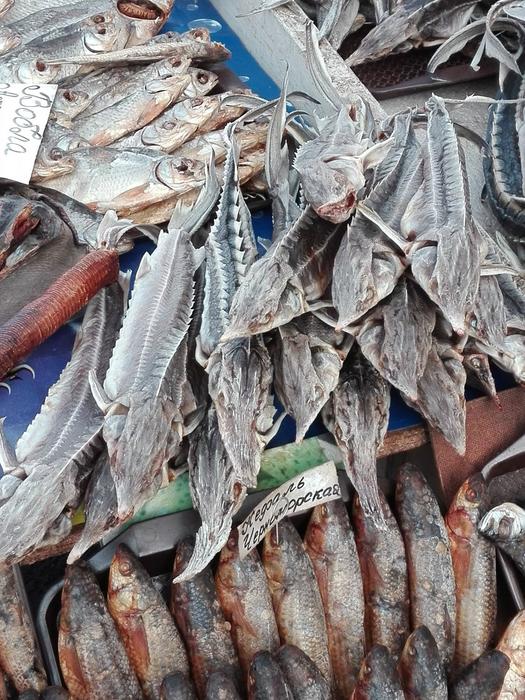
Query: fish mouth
[
  {"x": 139, "y": 9},
  {"x": 338, "y": 212}
]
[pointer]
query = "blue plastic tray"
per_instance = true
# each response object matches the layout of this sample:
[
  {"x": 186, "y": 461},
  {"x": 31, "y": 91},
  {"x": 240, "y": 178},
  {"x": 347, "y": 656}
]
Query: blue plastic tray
[{"x": 49, "y": 359}]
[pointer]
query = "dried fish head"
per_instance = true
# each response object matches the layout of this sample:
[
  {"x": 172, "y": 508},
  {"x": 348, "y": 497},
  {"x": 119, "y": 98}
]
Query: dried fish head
[
  {"x": 201, "y": 82},
  {"x": 470, "y": 502},
  {"x": 37, "y": 71},
  {"x": 181, "y": 174},
  {"x": 52, "y": 162},
  {"x": 145, "y": 9},
  {"x": 68, "y": 104}
]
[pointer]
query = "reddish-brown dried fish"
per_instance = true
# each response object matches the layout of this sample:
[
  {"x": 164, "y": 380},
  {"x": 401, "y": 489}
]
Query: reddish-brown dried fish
[
  {"x": 474, "y": 562},
  {"x": 378, "y": 677},
  {"x": 385, "y": 580},
  {"x": 61, "y": 301},
  {"x": 329, "y": 542}
]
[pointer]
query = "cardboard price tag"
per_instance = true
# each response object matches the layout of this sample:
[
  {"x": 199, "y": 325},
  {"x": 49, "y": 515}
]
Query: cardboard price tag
[
  {"x": 304, "y": 491},
  {"x": 24, "y": 111}
]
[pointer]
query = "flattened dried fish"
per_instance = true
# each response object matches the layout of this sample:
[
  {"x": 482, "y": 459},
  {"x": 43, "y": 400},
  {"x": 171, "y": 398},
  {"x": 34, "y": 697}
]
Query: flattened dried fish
[
  {"x": 246, "y": 603},
  {"x": 295, "y": 595},
  {"x": 303, "y": 677},
  {"x": 143, "y": 422},
  {"x": 145, "y": 625},
  {"x": 357, "y": 416},
  {"x": 505, "y": 525},
  {"x": 385, "y": 579},
  {"x": 266, "y": 680},
  {"x": 489, "y": 672},
  {"x": 201, "y": 623},
  {"x": 474, "y": 562},
  {"x": 429, "y": 562},
  {"x": 91, "y": 669},
  {"x": 396, "y": 337},
  {"x": 421, "y": 669},
  {"x": 58, "y": 455},
  {"x": 307, "y": 357},
  {"x": 296, "y": 270},
  {"x": 329, "y": 542},
  {"x": 19, "y": 650},
  {"x": 512, "y": 644},
  {"x": 378, "y": 677}
]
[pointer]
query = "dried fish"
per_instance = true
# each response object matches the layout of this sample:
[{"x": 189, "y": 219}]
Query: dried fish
[
  {"x": 329, "y": 542},
  {"x": 245, "y": 600},
  {"x": 57, "y": 454},
  {"x": 429, "y": 562},
  {"x": 378, "y": 677},
  {"x": 91, "y": 669},
  {"x": 221, "y": 687},
  {"x": 489, "y": 672},
  {"x": 295, "y": 595},
  {"x": 143, "y": 422},
  {"x": 505, "y": 525},
  {"x": 266, "y": 680},
  {"x": 474, "y": 562},
  {"x": 144, "y": 623},
  {"x": 307, "y": 357},
  {"x": 303, "y": 677},
  {"x": 357, "y": 416},
  {"x": 421, "y": 669},
  {"x": 201, "y": 623},
  {"x": 127, "y": 181},
  {"x": 19, "y": 650},
  {"x": 511, "y": 644},
  {"x": 396, "y": 337},
  {"x": 385, "y": 579},
  {"x": 176, "y": 687}
]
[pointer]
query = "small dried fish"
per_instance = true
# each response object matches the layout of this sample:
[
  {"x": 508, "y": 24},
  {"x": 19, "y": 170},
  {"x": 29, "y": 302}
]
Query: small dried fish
[
  {"x": 176, "y": 687},
  {"x": 303, "y": 677},
  {"x": 357, "y": 416},
  {"x": 152, "y": 641},
  {"x": 429, "y": 562},
  {"x": 266, "y": 680},
  {"x": 329, "y": 542},
  {"x": 245, "y": 600},
  {"x": 505, "y": 526},
  {"x": 19, "y": 650},
  {"x": 200, "y": 620},
  {"x": 53, "y": 159},
  {"x": 511, "y": 644},
  {"x": 295, "y": 595},
  {"x": 421, "y": 669},
  {"x": 91, "y": 669},
  {"x": 474, "y": 562},
  {"x": 221, "y": 687},
  {"x": 385, "y": 579},
  {"x": 378, "y": 677},
  {"x": 489, "y": 672}
]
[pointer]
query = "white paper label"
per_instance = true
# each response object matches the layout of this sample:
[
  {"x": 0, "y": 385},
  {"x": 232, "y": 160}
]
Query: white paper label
[
  {"x": 304, "y": 491},
  {"x": 24, "y": 111}
]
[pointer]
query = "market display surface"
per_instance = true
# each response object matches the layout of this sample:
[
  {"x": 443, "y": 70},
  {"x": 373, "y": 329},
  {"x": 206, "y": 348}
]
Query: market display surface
[{"x": 202, "y": 261}]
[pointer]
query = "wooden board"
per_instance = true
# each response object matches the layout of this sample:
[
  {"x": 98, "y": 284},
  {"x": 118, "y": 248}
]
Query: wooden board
[{"x": 276, "y": 38}]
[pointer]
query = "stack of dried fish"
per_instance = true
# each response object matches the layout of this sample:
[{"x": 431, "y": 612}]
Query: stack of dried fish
[
  {"x": 134, "y": 121},
  {"x": 407, "y": 611}
]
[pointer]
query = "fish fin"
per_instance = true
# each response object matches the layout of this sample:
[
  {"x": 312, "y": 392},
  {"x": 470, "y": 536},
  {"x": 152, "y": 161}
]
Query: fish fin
[
  {"x": 8, "y": 459},
  {"x": 318, "y": 70},
  {"x": 375, "y": 154},
  {"x": 101, "y": 398},
  {"x": 272, "y": 432}
]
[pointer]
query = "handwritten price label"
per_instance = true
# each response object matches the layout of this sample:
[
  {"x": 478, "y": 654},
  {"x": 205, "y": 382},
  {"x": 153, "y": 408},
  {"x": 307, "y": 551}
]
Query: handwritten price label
[
  {"x": 24, "y": 111},
  {"x": 304, "y": 491}
]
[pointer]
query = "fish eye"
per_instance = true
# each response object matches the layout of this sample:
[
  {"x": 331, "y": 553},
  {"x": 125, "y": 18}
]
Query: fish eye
[
  {"x": 197, "y": 101},
  {"x": 69, "y": 96},
  {"x": 197, "y": 33},
  {"x": 202, "y": 78},
  {"x": 55, "y": 154},
  {"x": 176, "y": 62},
  {"x": 125, "y": 568},
  {"x": 168, "y": 125},
  {"x": 101, "y": 30},
  {"x": 472, "y": 494},
  {"x": 98, "y": 19},
  {"x": 40, "y": 66}
]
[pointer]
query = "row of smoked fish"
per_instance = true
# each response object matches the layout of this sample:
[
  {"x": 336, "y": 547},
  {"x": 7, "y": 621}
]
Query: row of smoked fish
[
  {"x": 405, "y": 610},
  {"x": 378, "y": 276},
  {"x": 136, "y": 115}
]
